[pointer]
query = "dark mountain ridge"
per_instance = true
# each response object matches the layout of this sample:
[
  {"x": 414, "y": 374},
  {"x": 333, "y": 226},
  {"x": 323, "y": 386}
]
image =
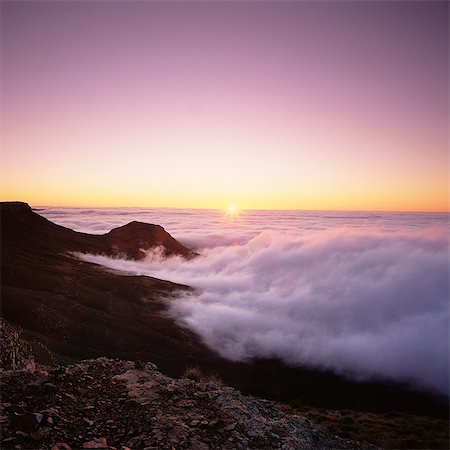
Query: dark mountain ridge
[
  {"x": 78, "y": 309},
  {"x": 19, "y": 221}
]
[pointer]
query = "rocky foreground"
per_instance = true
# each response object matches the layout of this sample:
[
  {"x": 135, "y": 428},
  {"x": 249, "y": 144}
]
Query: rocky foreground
[{"x": 106, "y": 403}]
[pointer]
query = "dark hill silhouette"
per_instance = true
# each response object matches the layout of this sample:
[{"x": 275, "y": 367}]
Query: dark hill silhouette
[
  {"x": 134, "y": 237},
  {"x": 20, "y": 222},
  {"x": 78, "y": 310}
]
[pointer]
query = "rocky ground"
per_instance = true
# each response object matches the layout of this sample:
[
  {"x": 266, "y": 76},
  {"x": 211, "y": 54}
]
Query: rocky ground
[
  {"x": 105, "y": 403},
  {"x": 15, "y": 354},
  {"x": 388, "y": 430}
]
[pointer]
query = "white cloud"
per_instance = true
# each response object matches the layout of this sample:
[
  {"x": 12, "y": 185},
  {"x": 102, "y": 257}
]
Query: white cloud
[{"x": 362, "y": 302}]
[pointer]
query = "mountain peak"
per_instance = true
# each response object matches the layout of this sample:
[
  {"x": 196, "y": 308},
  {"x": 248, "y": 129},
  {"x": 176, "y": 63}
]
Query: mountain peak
[
  {"x": 15, "y": 207},
  {"x": 134, "y": 238},
  {"x": 21, "y": 226}
]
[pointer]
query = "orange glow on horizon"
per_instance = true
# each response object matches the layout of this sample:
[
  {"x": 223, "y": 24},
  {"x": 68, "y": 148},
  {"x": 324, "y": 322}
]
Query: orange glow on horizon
[
  {"x": 363, "y": 200},
  {"x": 311, "y": 121}
]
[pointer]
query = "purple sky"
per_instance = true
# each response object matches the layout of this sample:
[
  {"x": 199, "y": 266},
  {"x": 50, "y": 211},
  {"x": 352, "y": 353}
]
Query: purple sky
[{"x": 266, "y": 104}]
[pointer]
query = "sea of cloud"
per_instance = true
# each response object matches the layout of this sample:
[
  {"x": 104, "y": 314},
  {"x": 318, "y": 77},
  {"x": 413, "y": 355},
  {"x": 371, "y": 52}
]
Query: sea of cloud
[
  {"x": 209, "y": 228},
  {"x": 361, "y": 295}
]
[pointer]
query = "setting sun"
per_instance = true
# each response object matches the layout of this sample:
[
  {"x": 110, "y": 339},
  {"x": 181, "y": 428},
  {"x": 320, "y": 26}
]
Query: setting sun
[{"x": 232, "y": 211}]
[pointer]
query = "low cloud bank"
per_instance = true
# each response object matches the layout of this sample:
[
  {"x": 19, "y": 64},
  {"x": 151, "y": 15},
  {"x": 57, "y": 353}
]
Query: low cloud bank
[
  {"x": 207, "y": 228},
  {"x": 360, "y": 302}
]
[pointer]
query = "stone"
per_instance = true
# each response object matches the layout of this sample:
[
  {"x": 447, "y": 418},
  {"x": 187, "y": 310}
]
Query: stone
[
  {"x": 96, "y": 443},
  {"x": 48, "y": 388},
  {"x": 61, "y": 446},
  {"x": 19, "y": 409},
  {"x": 40, "y": 434},
  {"x": 131, "y": 402},
  {"x": 15, "y": 354},
  {"x": 22, "y": 434},
  {"x": 199, "y": 420},
  {"x": 72, "y": 397},
  {"x": 25, "y": 422}
]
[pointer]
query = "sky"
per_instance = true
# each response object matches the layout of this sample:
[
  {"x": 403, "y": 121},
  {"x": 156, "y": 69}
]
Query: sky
[{"x": 265, "y": 105}]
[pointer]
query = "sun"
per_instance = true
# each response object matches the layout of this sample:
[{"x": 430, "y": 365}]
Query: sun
[{"x": 232, "y": 211}]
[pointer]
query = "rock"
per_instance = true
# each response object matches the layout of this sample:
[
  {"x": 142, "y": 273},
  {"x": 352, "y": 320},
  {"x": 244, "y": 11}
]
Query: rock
[
  {"x": 19, "y": 409},
  {"x": 25, "y": 422},
  {"x": 131, "y": 402},
  {"x": 48, "y": 388},
  {"x": 40, "y": 434},
  {"x": 22, "y": 434},
  {"x": 213, "y": 422},
  {"x": 96, "y": 443},
  {"x": 61, "y": 446},
  {"x": 220, "y": 418},
  {"x": 15, "y": 354},
  {"x": 72, "y": 397}
]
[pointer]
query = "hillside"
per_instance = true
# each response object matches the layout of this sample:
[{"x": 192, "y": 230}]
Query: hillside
[{"x": 79, "y": 310}]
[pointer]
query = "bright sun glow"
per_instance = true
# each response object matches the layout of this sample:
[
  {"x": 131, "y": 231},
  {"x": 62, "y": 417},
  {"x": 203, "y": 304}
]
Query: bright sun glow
[{"x": 232, "y": 211}]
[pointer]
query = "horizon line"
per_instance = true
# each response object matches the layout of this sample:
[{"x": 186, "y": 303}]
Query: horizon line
[{"x": 247, "y": 209}]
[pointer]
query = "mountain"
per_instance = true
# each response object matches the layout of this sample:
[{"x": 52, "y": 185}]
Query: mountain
[
  {"x": 19, "y": 222},
  {"x": 71, "y": 310},
  {"x": 76, "y": 308}
]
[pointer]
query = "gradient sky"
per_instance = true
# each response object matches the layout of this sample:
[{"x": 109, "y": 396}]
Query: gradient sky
[{"x": 283, "y": 105}]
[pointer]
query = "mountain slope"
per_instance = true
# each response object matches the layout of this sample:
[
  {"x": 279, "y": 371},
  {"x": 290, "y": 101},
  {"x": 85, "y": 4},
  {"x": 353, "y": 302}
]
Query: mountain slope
[{"x": 76, "y": 308}]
